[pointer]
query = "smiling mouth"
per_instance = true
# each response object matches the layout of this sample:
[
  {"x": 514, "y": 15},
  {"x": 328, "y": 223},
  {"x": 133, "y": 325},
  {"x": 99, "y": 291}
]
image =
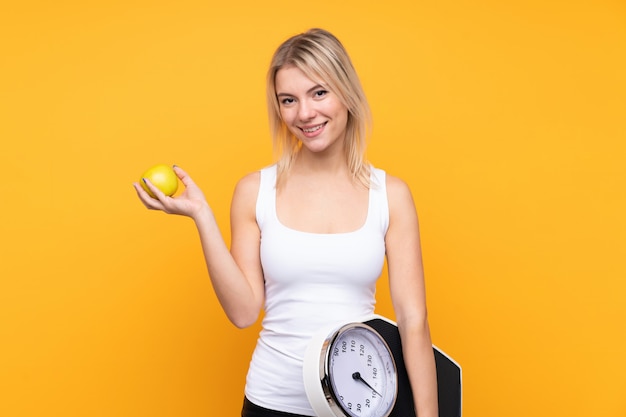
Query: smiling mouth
[{"x": 313, "y": 129}]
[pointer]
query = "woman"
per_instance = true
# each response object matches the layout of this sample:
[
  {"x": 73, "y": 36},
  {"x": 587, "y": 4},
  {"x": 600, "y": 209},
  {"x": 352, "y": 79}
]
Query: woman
[{"x": 310, "y": 233}]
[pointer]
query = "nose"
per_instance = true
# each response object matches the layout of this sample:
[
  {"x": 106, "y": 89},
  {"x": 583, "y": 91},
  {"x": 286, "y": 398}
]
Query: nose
[{"x": 306, "y": 111}]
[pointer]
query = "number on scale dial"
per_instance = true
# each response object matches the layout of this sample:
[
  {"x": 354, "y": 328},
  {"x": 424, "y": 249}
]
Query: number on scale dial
[{"x": 362, "y": 372}]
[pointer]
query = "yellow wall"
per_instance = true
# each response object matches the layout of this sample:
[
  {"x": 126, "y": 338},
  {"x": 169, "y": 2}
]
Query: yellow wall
[{"x": 505, "y": 117}]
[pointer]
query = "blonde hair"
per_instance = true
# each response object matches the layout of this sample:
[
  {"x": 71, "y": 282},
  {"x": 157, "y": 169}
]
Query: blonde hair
[{"x": 321, "y": 56}]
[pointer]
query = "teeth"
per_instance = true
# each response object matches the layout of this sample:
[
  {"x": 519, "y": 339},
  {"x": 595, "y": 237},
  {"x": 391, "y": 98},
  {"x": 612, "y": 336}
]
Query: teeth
[{"x": 312, "y": 129}]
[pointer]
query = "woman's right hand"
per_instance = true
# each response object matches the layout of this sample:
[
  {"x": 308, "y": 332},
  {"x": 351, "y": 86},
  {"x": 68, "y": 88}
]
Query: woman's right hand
[{"x": 190, "y": 203}]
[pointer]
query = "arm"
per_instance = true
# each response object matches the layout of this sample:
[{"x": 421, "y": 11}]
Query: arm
[
  {"x": 236, "y": 275},
  {"x": 406, "y": 281}
]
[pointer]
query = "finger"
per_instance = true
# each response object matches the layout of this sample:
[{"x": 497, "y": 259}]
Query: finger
[
  {"x": 156, "y": 192},
  {"x": 160, "y": 201},
  {"x": 143, "y": 195},
  {"x": 183, "y": 176},
  {"x": 146, "y": 199}
]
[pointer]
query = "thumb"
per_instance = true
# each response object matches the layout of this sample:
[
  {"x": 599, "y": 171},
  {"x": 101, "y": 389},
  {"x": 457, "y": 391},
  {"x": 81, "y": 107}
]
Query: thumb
[{"x": 183, "y": 176}]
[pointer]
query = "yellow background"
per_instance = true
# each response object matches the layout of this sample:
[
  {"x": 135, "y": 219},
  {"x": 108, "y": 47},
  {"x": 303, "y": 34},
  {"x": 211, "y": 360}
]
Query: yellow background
[{"x": 507, "y": 119}]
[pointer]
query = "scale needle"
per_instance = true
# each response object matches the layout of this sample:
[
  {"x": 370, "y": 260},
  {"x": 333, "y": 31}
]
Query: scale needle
[{"x": 357, "y": 376}]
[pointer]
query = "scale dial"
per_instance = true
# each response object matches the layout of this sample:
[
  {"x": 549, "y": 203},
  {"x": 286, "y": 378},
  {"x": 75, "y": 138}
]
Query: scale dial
[{"x": 360, "y": 373}]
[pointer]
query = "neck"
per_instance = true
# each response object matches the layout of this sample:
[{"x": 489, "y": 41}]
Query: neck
[{"x": 321, "y": 163}]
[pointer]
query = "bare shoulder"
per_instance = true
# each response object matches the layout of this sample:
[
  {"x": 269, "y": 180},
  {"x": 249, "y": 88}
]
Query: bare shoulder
[
  {"x": 246, "y": 191},
  {"x": 403, "y": 236},
  {"x": 398, "y": 194},
  {"x": 249, "y": 183}
]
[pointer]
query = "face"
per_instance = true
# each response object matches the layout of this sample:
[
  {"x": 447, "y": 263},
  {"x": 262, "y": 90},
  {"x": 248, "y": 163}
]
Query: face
[{"x": 312, "y": 112}]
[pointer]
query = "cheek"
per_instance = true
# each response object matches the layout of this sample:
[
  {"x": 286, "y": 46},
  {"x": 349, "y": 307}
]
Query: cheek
[
  {"x": 343, "y": 115},
  {"x": 340, "y": 110},
  {"x": 287, "y": 118},
  {"x": 286, "y": 115}
]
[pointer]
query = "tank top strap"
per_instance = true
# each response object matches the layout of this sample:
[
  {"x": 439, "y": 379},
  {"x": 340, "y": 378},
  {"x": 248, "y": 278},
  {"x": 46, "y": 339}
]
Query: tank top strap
[
  {"x": 266, "y": 200},
  {"x": 378, "y": 214}
]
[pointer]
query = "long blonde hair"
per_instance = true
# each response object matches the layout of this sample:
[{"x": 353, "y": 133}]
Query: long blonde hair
[{"x": 321, "y": 56}]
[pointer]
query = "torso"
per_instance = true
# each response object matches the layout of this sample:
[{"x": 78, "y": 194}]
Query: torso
[
  {"x": 327, "y": 205},
  {"x": 315, "y": 272}
]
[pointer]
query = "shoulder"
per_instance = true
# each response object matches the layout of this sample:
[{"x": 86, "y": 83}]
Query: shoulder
[
  {"x": 403, "y": 233},
  {"x": 246, "y": 191},
  {"x": 249, "y": 182},
  {"x": 402, "y": 211},
  {"x": 398, "y": 190}
]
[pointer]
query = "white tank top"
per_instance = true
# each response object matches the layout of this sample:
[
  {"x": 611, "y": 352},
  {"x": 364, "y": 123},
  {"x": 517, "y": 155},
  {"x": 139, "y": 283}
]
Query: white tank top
[{"x": 311, "y": 280}]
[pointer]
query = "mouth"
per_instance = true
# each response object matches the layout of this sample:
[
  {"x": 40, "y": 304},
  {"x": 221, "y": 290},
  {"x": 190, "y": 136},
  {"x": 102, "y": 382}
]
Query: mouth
[{"x": 309, "y": 130}]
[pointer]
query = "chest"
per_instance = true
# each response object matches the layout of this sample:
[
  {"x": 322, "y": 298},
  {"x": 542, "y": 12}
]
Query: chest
[{"x": 328, "y": 209}]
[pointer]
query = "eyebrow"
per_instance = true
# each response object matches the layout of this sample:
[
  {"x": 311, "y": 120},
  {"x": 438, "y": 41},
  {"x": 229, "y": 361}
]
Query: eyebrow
[{"x": 310, "y": 90}]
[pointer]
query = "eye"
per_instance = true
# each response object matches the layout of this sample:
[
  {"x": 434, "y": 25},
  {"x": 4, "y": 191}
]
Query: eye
[
  {"x": 287, "y": 101},
  {"x": 320, "y": 93}
]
